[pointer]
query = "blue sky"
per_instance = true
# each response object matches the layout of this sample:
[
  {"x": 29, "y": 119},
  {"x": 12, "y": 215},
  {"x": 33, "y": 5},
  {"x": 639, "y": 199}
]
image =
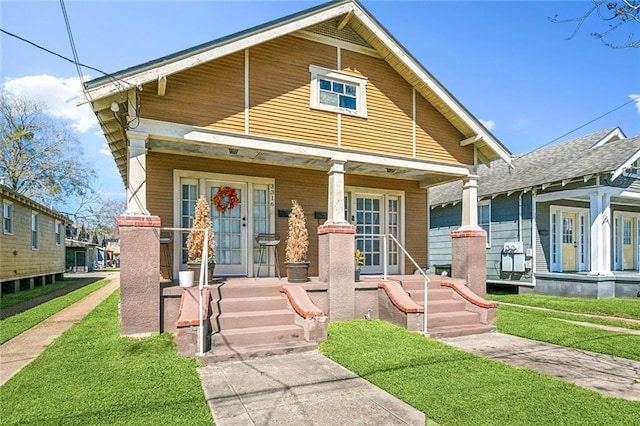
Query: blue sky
[{"x": 503, "y": 60}]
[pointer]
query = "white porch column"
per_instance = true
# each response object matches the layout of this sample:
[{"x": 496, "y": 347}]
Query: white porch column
[
  {"x": 600, "y": 215},
  {"x": 137, "y": 174},
  {"x": 470, "y": 204},
  {"x": 335, "y": 214}
]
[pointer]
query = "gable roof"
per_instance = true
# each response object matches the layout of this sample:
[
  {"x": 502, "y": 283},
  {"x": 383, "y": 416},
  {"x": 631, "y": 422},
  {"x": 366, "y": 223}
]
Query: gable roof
[
  {"x": 605, "y": 151},
  {"x": 350, "y": 13}
]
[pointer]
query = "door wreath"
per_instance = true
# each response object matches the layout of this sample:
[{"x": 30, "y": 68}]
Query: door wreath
[{"x": 225, "y": 199}]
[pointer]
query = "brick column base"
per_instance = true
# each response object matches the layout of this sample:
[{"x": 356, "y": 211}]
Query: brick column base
[
  {"x": 139, "y": 275},
  {"x": 469, "y": 259},
  {"x": 336, "y": 247}
]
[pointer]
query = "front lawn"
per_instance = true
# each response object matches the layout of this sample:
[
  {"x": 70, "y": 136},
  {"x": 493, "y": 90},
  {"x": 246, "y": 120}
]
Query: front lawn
[
  {"x": 10, "y": 299},
  {"x": 615, "y": 306},
  {"x": 19, "y": 323},
  {"x": 92, "y": 376},
  {"x": 453, "y": 387}
]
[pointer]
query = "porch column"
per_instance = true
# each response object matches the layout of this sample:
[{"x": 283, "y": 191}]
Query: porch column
[
  {"x": 137, "y": 174},
  {"x": 600, "y": 215},
  {"x": 336, "y": 247},
  {"x": 469, "y": 242},
  {"x": 335, "y": 206},
  {"x": 470, "y": 203},
  {"x": 139, "y": 275}
]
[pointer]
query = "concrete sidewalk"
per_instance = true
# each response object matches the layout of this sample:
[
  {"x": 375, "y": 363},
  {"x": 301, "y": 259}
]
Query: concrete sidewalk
[
  {"x": 613, "y": 376},
  {"x": 297, "y": 389},
  {"x": 24, "y": 348}
]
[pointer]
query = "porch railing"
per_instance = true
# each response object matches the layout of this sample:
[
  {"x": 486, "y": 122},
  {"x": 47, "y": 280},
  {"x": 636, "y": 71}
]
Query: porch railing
[{"x": 385, "y": 266}]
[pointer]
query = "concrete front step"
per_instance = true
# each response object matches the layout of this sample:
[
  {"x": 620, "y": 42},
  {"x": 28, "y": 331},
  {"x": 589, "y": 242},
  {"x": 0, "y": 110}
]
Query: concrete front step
[
  {"x": 434, "y": 294},
  {"x": 448, "y": 319},
  {"x": 440, "y": 306},
  {"x": 246, "y": 288},
  {"x": 247, "y": 304},
  {"x": 258, "y": 335},
  {"x": 459, "y": 330},
  {"x": 233, "y": 320},
  {"x": 228, "y": 353}
]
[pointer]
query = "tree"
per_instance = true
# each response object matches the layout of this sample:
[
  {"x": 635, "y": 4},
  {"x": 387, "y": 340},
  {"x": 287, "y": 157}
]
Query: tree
[
  {"x": 616, "y": 15},
  {"x": 102, "y": 217},
  {"x": 40, "y": 158}
]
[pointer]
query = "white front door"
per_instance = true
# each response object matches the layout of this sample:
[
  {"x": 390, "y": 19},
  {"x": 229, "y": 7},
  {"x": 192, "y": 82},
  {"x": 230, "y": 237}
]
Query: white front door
[
  {"x": 230, "y": 228},
  {"x": 376, "y": 215}
]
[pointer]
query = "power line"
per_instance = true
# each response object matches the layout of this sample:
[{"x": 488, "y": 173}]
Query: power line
[
  {"x": 73, "y": 45},
  {"x": 589, "y": 122}
]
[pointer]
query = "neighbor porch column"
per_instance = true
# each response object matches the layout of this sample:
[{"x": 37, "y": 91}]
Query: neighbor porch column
[
  {"x": 469, "y": 242},
  {"x": 137, "y": 174},
  {"x": 336, "y": 247},
  {"x": 600, "y": 215},
  {"x": 139, "y": 275}
]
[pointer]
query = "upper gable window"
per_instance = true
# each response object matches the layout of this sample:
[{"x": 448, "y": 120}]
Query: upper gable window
[{"x": 337, "y": 91}]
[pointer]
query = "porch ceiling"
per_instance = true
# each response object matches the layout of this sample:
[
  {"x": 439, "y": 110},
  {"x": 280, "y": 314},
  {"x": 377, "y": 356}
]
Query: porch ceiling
[{"x": 356, "y": 162}]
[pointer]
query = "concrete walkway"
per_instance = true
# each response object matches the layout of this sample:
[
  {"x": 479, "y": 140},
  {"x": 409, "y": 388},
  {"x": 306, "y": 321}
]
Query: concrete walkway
[
  {"x": 617, "y": 377},
  {"x": 24, "y": 348},
  {"x": 298, "y": 389}
]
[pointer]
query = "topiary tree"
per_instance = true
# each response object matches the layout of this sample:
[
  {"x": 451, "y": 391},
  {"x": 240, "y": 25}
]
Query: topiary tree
[
  {"x": 298, "y": 238},
  {"x": 195, "y": 241}
]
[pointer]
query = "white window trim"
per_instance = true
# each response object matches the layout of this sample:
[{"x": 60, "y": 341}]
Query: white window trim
[
  {"x": 37, "y": 230},
  {"x": 359, "y": 82},
  {"x": 5, "y": 231},
  {"x": 581, "y": 244},
  {"x": 481, "y": 204},
  {"x": 617, "y": 237},
  {"x": 57, "y": 230}
]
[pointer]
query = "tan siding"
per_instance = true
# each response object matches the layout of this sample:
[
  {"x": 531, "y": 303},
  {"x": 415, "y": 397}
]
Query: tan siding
[
  {"x": 436, "y": 138},
  {"x": 309, "y": 187},
  {"x": 279, "y": 82},
  {"x": 26, "y": 262},
  {"x": 209, "y": 95},
  {"x": 388, "y": 128}
]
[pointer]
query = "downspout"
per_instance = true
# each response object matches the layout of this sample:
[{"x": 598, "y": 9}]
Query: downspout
[
  {"x": 520, "y": 216},
  {"x": 534, "y": 242}
]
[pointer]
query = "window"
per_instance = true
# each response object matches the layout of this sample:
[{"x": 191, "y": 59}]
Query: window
[
  {"x": 484, "y": 218},
  {"x": 34, "y": 230},
  {"x": 7, "y": 217},
  {"x": 337, "y": 91},
  {"x": 58, "y": 229},
  {"x": 188, "y": 198}
]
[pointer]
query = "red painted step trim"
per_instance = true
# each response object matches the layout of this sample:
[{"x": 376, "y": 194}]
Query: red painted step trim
[
  {"x": 469, "y": 295},
  {"x": 301, "y": 302}
]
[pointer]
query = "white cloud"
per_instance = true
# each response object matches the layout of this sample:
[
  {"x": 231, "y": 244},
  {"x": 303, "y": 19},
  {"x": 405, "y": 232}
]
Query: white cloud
[
  {"x": 58, "y": 95},
  {"x": 489, "y": 124},
  {"x": 637, "y": 99},
  {"x": 104, "y": 150}
]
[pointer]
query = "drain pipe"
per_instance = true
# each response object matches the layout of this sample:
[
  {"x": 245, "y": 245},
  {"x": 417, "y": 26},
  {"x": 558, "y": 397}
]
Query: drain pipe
[{"x": 203, "y": 274}]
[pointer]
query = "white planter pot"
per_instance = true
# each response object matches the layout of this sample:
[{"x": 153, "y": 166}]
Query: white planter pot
[{"x": 185, "y": 278}]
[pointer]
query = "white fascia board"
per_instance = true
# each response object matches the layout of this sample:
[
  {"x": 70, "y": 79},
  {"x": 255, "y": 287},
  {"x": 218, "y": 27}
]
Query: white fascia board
[
  {"x": 431, "y": 84},
  {"x": 617, "y": 172},
  {"x": 233, "y": 46},
  {"x": 167, "y": 130},
  {"x": 571, "y": 193},
  {"x": 615, "y": 134}
]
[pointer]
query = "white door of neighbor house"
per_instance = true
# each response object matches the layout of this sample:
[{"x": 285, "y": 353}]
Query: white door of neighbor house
[
  {"x": 628, "y": 243},
  {"x": 376, "y": 215},
  {"x": 230, "y": 227},
  {"x": 569, "y": 241}
]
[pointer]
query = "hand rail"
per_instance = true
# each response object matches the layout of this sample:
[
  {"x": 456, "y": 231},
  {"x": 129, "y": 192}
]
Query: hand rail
[{"x": 385, "y": 268}]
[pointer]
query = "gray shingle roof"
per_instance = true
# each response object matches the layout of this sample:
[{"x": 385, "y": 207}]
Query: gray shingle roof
[{"x": 563, "y": 161}]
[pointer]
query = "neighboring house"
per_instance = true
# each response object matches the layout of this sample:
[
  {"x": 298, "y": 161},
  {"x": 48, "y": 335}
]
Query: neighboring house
[
  {"x": 80, "y": 255},
  {"x": 564, "y": 220},
  {"x": 323, "y": 106},
  {"x": 31, "y": 243}
]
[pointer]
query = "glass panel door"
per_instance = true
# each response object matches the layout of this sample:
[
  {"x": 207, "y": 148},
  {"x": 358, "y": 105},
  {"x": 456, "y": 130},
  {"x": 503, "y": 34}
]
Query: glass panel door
[
  {"x": 368, "y": 209},
  {"x": 628, "y": 243},
  {"x": 230, "y": 229},
  {"x": 569, "y": 242}
]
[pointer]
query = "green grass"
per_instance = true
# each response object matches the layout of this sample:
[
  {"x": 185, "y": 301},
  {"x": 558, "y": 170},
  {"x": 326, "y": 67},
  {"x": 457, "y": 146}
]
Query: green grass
[
  {"x": 625, "y": 308},
  {"x": 453, "y": 387},
  {"x": 10, "y": 299},
  {"x": 92, "y": 376},
  {"x": 19, "y": 323},
  {"x": 541, "y": 325}
]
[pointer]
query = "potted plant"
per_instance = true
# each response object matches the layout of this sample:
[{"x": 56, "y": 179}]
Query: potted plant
[
  {"x": 297, "y": 246},
  {"x": 359, "y": 258},
  {"x": 195, "y": 241}
]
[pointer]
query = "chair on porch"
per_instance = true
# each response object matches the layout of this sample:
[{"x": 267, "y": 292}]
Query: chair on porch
[{"x": 265, "y": 241}]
